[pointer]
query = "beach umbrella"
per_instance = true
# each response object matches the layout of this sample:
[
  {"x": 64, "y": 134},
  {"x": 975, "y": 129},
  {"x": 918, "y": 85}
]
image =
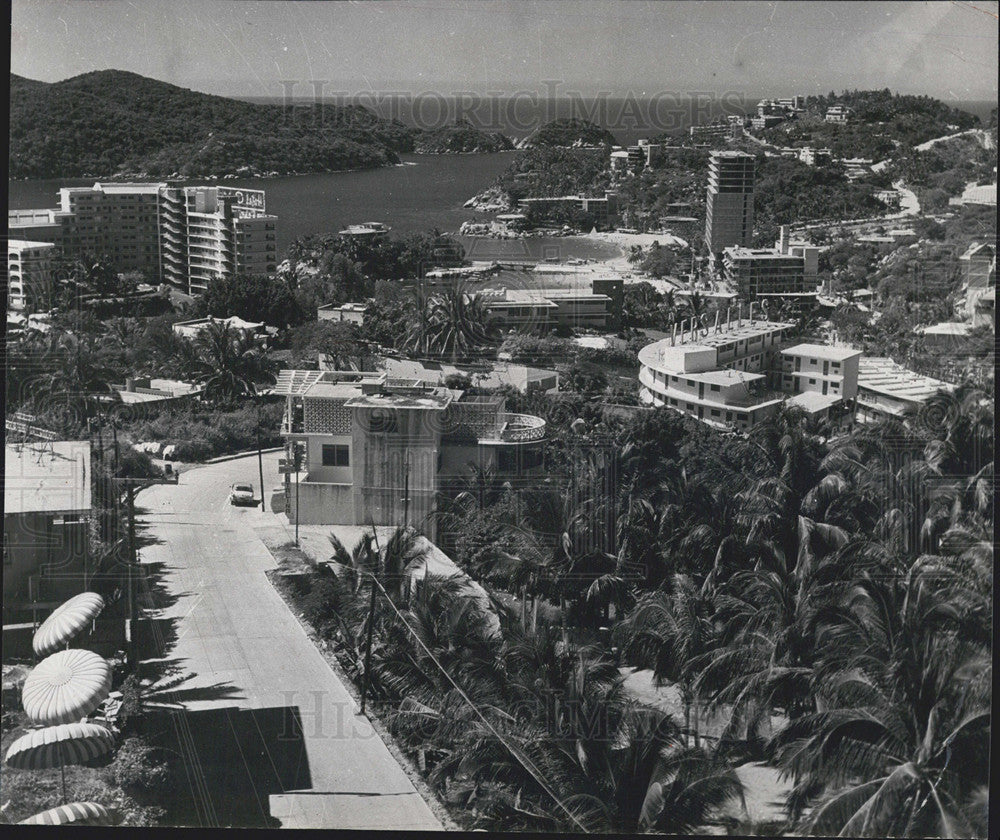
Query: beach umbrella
[
  {"x": 66, "y": 622},
  {"x": 66, "y": 687},
  {"x": 57, "y": 746},
  {"x": 75, "y": 813}
]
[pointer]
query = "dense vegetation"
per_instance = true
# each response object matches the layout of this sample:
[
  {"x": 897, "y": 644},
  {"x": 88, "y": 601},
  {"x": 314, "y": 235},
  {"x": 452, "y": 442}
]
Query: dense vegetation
[
  {"x": 883, "y": 123},
  {"x": 112, "y": 122},
  {"x": 943, "y": 171},
  {"x": 834, "y": 613},
  {"x": 569, "y": 131},
  {"x": 462, "y": 137}
]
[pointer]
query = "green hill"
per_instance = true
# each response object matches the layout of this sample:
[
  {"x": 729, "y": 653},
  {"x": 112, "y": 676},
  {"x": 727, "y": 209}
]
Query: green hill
[
  {"x": 462, "y": 137},
  {"x": 569, "y": 132},
  {"x": 112, "y": 122}
]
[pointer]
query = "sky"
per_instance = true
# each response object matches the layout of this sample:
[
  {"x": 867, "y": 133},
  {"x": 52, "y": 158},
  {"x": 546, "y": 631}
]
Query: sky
[{"x": 255, "y": 48}]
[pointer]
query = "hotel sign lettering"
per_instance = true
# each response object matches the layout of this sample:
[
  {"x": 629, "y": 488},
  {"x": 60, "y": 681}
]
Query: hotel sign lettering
[{"x": 252, "y": 200}]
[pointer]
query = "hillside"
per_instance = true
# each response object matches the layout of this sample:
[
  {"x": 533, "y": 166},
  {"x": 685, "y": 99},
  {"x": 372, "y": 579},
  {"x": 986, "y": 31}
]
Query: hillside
[
  {"x": 461, "y": 138},
  {"x": 568, "y": 132},
  {"x": 112, "y": 122},
  {"x": 883, "y": 124}
]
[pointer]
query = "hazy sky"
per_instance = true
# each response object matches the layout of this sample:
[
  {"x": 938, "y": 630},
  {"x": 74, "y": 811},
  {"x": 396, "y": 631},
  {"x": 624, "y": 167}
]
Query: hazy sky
[{"x": 248, "y": 47}]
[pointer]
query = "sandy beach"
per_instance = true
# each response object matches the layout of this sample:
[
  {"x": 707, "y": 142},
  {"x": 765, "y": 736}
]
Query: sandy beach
[{"x": 625, "y": 241}]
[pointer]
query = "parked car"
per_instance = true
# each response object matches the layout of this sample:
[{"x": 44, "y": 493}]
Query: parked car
[{"x": 241, "y": 494}]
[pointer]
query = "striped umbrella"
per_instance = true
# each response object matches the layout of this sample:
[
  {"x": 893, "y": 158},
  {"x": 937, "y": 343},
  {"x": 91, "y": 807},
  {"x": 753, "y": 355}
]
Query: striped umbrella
[
  {"x": 66, "y": 687},
  {"x": 57, "y": 746},
  {"x": 66, "y": 622},
  {"x": 77, "y": 813}
]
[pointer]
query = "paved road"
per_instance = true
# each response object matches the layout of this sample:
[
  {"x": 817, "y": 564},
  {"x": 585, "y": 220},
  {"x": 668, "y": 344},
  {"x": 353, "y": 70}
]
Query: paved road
[{"x": 248, "y": 651}]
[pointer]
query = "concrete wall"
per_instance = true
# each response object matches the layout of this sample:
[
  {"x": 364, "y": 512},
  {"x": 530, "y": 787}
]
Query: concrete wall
[
  {"x": 34, "y": 546},
  {"x": 322, "y": 504}
]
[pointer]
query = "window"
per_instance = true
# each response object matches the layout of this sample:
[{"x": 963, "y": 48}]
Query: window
[
  {"x": 835, "y": 365},
  {"x": 812, "y": 381},
  {"x": 715, "y": 412},
  {"x": 336, "y": 455},
  {"x": 690, "y": 407},
  {"x": 812, "y": 361}
]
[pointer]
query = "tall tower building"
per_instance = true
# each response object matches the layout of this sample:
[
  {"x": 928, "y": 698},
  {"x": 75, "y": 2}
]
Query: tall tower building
[{"x": 729, "y": 206}]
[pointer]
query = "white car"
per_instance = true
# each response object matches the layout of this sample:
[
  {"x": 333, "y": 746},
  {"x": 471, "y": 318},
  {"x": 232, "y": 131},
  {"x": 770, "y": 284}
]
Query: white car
[{"x": 241, "y": 494}]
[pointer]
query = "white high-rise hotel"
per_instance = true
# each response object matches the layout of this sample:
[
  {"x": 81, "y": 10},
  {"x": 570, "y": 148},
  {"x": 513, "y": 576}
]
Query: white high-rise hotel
[{"x": 184, "y": 236}]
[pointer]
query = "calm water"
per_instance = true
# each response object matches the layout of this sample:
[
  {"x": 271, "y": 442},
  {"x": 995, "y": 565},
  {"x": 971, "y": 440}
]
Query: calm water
[{"x": 426, "y": 192}]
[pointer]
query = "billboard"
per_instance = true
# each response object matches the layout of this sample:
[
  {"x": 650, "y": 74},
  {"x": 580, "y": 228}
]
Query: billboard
[{"x": 246, "y": 200}]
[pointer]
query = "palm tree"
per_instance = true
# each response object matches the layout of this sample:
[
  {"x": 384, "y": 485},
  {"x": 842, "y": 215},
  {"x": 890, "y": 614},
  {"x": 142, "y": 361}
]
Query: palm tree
[
  {"x": 352, "y": 566},
  {"x": 453, "y": 323},
  {"x": 230, "y": 364},
  {"x": 667, "y": 633},
  {"x": 403, "y": 547},
  {"x": 901, "y": 747},
  {"x": 696, "y": 305}
]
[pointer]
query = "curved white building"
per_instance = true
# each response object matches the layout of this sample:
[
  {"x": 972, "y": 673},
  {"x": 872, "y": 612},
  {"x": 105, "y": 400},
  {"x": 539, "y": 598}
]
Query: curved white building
[{"x": 716, "y": 374}]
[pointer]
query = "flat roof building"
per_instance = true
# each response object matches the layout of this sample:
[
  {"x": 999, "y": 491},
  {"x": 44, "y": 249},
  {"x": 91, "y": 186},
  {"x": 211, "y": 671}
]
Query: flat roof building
[
  {"x": 886, "y": 389},
  {"x": 47, "y": 503},
  {"x": 364, "y": 437},
  {"x": 544, "y": 308},
  {"x": 729, "y": 206},
  {"x": 493, "y": 375},
  {"x": 192, "y": 329},
  {"x": 185, "y": 236},
  {"x": 717, "y": 375},
  {"x": 29, "y": 274},
  {"x": 353, "y": 312}
]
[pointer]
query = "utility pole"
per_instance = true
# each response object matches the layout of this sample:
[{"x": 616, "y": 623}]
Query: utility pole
[
  {"x": 406, "y": 490},
  {"x": 133, "y": 611},
  {"x": 366, "y": 679},
  {"x": 133, "y": 603},
  {"x": 260, "y": 464},
  {"x": 295, "y": 450}
]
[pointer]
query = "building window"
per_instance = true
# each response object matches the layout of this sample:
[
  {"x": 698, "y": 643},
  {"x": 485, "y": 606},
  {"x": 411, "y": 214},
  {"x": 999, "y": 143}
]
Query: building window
[
  {"x": 336, "y": 455},
  {"x": 812, "y": 361},
  {"x": 812, "y": 381},
  {"x": 835, "y": 365},
  {"x": 690, "y": 407},
  {"x": 715, "y": 412},
  {"x": 714, "y": 387}
]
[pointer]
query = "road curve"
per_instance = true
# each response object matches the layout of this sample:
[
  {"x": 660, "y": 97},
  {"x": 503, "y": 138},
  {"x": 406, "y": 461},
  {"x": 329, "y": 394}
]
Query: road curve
[{"x": 234, "y": 630}]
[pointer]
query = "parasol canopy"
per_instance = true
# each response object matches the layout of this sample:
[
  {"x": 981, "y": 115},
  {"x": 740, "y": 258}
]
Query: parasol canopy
[
  {"x": 54, "y": 746},
  {"x": 77, "y": 813},
  {"x": 65, "y": 687},
  {"x": 66, "y": 622}
]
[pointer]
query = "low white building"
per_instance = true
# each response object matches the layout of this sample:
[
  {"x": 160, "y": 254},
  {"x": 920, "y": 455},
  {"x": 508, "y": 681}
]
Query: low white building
[
  {"x": 886, "y": 389},
  {"x": 351, "y": 312},
  {"x": 192, "y": 329},
  {"x": 821, "y": 369}
]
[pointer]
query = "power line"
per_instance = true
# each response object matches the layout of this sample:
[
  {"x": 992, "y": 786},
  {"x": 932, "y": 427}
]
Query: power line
[{"x": 523, "y": 760}]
